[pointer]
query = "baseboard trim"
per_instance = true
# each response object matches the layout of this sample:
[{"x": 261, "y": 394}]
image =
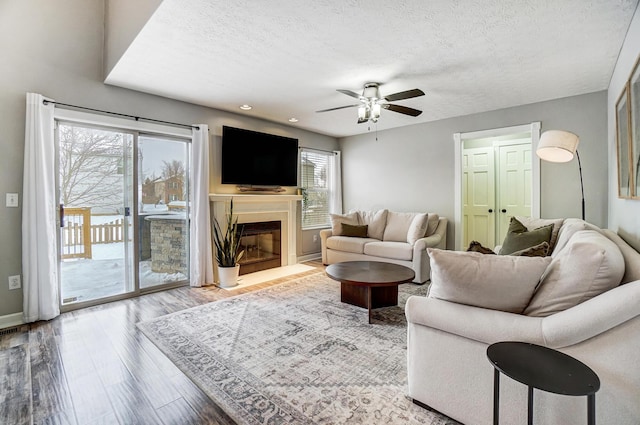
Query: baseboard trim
[
  {"x": 10, "y": 320},
  {"x": 309, "y": 257}
]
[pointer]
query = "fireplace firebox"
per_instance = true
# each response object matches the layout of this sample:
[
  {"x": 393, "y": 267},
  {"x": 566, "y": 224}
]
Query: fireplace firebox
[{"x": 261, "y": 245}]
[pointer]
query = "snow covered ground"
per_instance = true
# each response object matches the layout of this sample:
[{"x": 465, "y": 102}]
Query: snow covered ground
[{"x": 104, "y": 274}]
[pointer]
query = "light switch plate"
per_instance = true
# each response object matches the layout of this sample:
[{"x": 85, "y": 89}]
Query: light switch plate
[
  {"x": 14, "y": 282},
  {"x": 12, "y": 200}
]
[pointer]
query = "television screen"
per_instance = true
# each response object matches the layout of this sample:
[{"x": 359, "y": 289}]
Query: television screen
[{"x": 258, "y": 159}]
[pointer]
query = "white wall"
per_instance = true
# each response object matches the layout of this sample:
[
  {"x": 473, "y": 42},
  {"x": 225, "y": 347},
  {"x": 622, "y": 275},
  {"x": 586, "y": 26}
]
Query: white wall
[
  {"x": 56, "y": 48},
  {"x": 624, "y": 214},
  {"x": 411, "y": 168}
]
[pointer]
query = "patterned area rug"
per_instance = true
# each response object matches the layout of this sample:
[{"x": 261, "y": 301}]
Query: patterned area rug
[{"x": 294, "y": 354}]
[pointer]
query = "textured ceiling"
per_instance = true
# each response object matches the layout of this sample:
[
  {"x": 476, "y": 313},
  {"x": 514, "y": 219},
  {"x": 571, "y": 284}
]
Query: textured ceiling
[{"x": 286, "y": 58}]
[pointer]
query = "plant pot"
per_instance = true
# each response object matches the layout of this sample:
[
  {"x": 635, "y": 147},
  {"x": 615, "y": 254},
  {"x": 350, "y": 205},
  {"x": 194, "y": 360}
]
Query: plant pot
[{"x": 228, "y": 276}]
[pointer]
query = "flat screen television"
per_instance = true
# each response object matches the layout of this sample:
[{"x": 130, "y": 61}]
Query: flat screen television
[{"x": 258, "y": 159}]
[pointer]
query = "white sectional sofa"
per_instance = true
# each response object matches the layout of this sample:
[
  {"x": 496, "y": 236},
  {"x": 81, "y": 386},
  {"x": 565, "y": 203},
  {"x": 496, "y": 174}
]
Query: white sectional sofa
[
  {"x": 392, "y": 237},
  {"x": 447, "y": 342}
]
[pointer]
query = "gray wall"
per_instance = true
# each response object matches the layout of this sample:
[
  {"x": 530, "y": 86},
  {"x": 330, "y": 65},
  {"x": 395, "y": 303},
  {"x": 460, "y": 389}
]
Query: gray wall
[
  {"x": 411, "y": 168},
  {"x": 624, "y": 214},
  {"x": 56, "y": 48}
]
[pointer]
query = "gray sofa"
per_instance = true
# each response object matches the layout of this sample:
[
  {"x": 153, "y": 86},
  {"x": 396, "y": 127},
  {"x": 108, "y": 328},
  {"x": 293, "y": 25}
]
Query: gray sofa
[
  {"x": 447, "y": 364},
  {"x": 392, "y": 237}
]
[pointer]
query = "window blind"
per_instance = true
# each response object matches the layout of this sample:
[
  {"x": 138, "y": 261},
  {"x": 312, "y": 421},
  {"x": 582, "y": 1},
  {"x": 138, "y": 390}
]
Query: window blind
[{"x": 314, "y": 173}]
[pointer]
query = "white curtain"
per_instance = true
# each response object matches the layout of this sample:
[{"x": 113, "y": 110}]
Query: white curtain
[
  {"x": 335, "y": 184},
  {"x": 201, "y": 254},
  {"x": 39, "y": 254}
]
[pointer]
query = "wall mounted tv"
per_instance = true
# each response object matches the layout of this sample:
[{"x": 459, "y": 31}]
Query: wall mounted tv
[{"x": 258, "y": 159}]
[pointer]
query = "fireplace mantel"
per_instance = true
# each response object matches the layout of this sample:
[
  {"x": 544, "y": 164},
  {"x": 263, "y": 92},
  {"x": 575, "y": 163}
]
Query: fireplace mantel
[{"x": 253, "y": 208}]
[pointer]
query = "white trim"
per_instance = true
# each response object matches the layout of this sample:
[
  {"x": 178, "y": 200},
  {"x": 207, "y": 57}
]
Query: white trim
[
  {"x": 458, "y": 138},
  {"x": 309, "y": 257},
  {"x": 121, "y": 123},
  {"x": 10, "y": 320}
]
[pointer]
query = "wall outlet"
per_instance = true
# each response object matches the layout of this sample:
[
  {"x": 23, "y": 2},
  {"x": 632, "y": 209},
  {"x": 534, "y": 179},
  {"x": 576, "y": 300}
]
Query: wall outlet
[
  {"x": 315, "y": 238},
  {"x": 12, "y": 200},
  {"x": 14, "y": 282}
]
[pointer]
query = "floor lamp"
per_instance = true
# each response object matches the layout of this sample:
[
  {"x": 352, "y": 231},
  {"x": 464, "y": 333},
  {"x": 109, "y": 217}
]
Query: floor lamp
[{"x": 560, "y": 146}]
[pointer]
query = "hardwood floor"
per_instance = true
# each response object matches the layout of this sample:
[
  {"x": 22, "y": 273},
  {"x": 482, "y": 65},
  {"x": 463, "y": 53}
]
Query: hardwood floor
[{"x": 93, "y": 366}]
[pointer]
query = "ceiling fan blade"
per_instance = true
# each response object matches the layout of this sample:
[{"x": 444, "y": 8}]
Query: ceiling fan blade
[
  {"x": 402, "y": 109},
  {"x": 339, "y": 107},
  {"x": 404, "y": 95},
  {"x": 350, "y": 93}
]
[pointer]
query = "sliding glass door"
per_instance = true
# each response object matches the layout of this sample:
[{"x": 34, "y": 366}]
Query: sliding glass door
[
  {"x": 95, "y": 182},
  {"x": 119, "y": 190},
  {"x": 163, "y": 201}
]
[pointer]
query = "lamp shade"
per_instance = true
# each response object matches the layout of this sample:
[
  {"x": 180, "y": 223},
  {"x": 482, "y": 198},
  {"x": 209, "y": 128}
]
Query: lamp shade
[{"x": 557, "y": 146}]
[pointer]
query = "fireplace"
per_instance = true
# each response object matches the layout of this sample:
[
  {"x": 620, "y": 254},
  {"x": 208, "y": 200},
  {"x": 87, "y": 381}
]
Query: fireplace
[
  {"x": 253, "y": 208},
  {"x": 261, "y": 245}
]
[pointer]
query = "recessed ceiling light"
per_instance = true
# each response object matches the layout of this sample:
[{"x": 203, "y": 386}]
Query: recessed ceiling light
[
  {"x": 293, "y": 119},
  {"x": 246, "y": 107}
]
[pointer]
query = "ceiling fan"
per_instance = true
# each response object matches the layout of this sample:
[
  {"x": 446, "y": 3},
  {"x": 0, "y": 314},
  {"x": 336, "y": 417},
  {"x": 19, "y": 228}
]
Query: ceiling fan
[{"x": 371, "y": 102}]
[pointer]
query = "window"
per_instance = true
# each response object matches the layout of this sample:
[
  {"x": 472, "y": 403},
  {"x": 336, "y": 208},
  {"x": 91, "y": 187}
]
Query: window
[{"x": 317, "y": 185}]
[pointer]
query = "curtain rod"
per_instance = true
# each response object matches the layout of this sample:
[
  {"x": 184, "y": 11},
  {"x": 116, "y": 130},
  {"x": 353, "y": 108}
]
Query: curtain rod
[
  {"x": 318, "y": 150},
  {"x": 122, "y": 115}
]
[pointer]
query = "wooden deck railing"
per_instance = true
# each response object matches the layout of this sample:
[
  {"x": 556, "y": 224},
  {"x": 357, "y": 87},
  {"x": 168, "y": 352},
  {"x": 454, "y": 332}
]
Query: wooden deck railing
[{"x": 78, "y": 234}]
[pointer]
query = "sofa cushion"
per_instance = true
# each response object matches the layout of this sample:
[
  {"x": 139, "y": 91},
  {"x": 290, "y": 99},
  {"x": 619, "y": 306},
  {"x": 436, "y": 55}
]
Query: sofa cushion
[
  {"x": 376, "y": 220},
  {"x": 418, "y": 228},
  {"x": 519, "y": 238},
  {"x": 432, "y": 224},
  {"x": 535, "y": 223},
  {"x": 631, "y": 257},
  {"x": 587, "y": 266},
  {"x": 497, "y": 282},
  {"x": 353, "y": 231},
  {"x": 569, "y": 227},
  {"x": 338, "y": 219},
  {"x": 397, "y": 227},
  {"x": 348, "y": 243},
  {"x": 395, "y": 250}
]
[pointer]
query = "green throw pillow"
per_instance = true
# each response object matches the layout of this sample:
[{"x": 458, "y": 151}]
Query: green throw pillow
[
  {"x": 518, "y": 238},
  {"x": 354, "y": 231}
]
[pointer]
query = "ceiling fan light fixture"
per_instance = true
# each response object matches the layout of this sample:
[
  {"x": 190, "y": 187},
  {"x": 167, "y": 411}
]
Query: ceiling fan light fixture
[
  {"x": 362, "y": 113},
  {"x": 375, "y": 111}
]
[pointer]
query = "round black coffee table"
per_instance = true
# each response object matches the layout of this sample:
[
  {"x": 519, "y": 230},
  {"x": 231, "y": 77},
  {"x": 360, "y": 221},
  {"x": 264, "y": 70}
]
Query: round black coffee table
[
  {"x": 545, "y": 369},
  {"x": 369, "y": 284}
]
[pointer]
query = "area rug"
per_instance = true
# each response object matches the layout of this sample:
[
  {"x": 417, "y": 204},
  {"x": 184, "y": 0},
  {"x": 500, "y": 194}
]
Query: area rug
[{"x": 294, "y": 354}]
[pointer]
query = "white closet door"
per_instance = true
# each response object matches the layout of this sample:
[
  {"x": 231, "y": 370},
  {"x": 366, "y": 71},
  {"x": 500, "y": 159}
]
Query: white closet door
[
  {"x": 479, "y": 196},
  {"x": 514, "y": 185}
]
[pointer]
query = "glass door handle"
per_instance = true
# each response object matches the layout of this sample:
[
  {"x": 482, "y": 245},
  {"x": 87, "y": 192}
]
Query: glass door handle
[
  {"x": 127, "y": 211},
  {"x": 61, "y": 215}
]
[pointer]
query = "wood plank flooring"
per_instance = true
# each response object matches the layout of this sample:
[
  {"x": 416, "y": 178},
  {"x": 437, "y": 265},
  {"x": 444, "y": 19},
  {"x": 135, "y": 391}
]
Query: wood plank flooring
[{"x": 93, "y": 366}]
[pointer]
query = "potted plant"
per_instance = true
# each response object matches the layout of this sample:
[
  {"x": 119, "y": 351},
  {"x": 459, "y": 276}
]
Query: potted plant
[{"x": 228, "y": 251}]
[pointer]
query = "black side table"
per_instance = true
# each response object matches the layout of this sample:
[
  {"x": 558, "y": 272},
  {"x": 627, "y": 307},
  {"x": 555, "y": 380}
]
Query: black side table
[{"x": 545, "y": 369}]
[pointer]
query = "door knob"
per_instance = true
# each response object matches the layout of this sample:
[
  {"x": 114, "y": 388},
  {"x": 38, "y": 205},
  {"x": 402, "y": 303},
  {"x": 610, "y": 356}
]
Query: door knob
[
  {"x": 490, "y": 210},
  {"x": 504, "y": 211}
]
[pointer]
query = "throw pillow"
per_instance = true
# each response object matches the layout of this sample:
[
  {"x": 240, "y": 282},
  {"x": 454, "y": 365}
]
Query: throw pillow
[
  {"x": 587, "y": 266},
  {"x": 476, "y": 246},
  {"x": 540, "y": 250},
  {"x": 398, "y": 224},
  {"x": 432, "y": 224},
  {"x": 338, "y": 219},
  {"x": 535, "y": 223},
  {"x": 418, "y": 228},
  {"x": 376, "y": 220},
  {"x": 519, "y": 238},
  {"x": 354, "y": 231},
  {"x": 497, "y": 282}
]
